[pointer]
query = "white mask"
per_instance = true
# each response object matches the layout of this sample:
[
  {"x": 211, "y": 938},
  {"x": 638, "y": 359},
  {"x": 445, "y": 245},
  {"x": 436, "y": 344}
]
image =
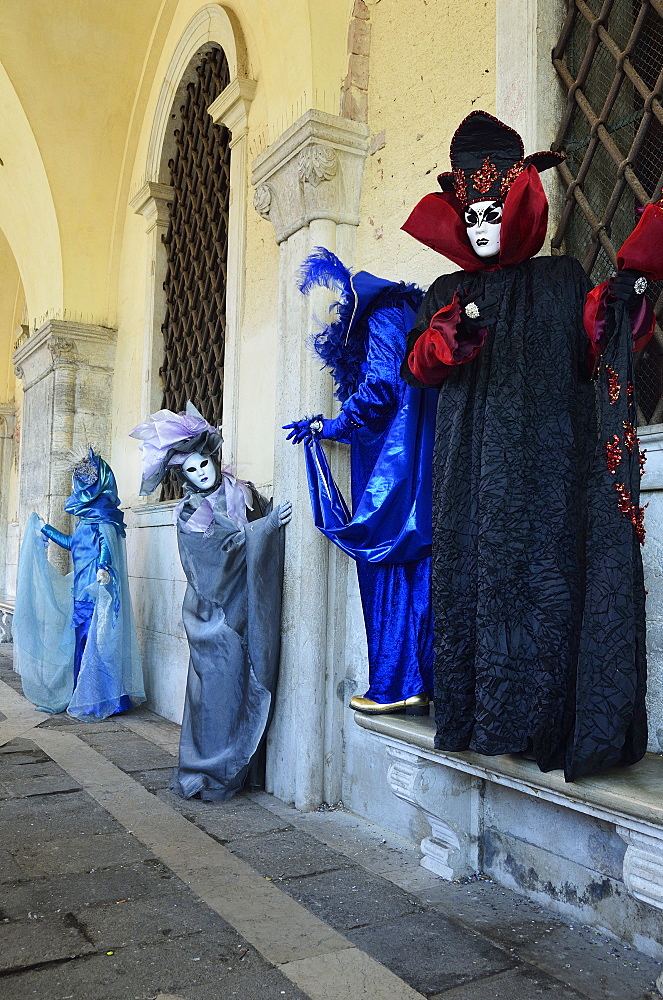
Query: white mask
[
  {"x": 200, "y": 470},
  {"x": 483, "y": 220}
]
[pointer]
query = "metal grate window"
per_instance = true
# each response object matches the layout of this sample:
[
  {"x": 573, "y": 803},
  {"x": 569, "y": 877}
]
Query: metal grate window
[
  {"x": 197, "y": 246},
  {"x": 610, "y": 60}
]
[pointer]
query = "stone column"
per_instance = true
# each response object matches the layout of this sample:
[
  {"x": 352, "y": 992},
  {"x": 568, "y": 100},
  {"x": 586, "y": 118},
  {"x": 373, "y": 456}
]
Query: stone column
[
  {"x": 7, "y": 425},
  {"x": 152, "y": 203},
  {"x": 231, "y": 108},
  {"x": 307, "y": 184},
  {"x": 67, "y": 374}
]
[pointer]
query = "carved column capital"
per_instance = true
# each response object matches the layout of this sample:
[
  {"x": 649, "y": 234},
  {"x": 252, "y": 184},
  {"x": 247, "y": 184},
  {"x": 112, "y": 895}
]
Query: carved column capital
[
  {"x": 60, "y": 342},
  {"x": 63, "y": 350},
  {"x": 313, "y": 171}
]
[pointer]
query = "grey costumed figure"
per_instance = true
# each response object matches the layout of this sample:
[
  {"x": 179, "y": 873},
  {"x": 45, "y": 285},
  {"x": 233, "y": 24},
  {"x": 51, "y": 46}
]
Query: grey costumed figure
[{"x": 231, "y": 548}]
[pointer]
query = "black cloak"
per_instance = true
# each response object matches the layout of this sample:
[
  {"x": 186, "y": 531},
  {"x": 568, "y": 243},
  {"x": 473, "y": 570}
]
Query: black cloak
[{"x": 537, "y": 583}]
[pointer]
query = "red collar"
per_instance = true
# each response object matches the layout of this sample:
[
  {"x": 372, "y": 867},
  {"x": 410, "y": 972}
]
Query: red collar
[{"x": 437, "y": 222}]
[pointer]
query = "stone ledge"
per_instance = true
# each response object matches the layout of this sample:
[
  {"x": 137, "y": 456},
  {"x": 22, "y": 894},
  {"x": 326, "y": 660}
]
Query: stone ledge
[
  {"x": 629, "y": 798},
  {"x": 633, "y": 794}
]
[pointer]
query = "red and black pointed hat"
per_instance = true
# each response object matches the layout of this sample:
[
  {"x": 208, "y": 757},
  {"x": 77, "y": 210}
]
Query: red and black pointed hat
[{"x": 486, "y": 158}]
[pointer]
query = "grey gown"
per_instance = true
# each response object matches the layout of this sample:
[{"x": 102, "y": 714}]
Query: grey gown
[{"x": 232, "y": 614}]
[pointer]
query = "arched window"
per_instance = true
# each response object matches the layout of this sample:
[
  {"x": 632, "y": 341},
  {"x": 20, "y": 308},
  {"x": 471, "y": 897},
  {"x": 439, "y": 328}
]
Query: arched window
[
  {"x": 610, "y": 60},
  {"x": 194, "y": 326}
]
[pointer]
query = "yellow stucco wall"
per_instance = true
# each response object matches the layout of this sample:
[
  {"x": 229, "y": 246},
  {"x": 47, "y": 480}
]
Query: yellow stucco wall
[
  {"x": 431, "y": 63},
  {"x": 11, "y": 306},
  {"x": 80, "y": 84}
]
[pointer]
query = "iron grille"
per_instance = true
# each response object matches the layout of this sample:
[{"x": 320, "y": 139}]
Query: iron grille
[
  {"x": 197, "y": 247},
  {"x": 610, "y": 60}
]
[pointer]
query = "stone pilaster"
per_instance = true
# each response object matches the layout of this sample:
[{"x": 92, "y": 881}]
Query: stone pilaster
[
  {"x": 307, "y": 184},
  {"x": 67, "y": 373},
  {"x": 7, "y": 426},
  {"x": 152, "y": 203},
  {"x": 231, "y": 108}
]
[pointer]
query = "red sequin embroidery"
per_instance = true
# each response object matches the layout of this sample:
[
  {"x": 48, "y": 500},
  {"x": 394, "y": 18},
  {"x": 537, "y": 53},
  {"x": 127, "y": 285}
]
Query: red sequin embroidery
[
  {"x": 636, "y": 515},
  {"x": 460, "y": 186},
  {"x": 484, "y": 178},
  {"x": 510, "y": 176},
  {"x": 629, "y": 391},
  {"x": 614, "y": 387},
  {"x": 613, "y": 454},
  {"x": 630, "y": 437}
]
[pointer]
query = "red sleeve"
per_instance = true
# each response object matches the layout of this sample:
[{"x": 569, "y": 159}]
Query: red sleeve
[
  {"x": 642, "y": 323},
  {"x": 439, "y": 349}
]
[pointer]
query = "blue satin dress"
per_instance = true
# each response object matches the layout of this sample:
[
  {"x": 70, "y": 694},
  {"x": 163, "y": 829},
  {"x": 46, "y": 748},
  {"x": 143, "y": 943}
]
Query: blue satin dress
[
  {"x": 395, "y": 596},
  {"x": 390, "y": 427}
]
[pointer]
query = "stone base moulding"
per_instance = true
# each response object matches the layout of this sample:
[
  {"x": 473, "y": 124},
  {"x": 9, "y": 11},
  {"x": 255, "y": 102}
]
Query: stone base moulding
[
  {"x": 534, "y": 831},
  {"x": 643, "y": 865},
  {"x": 6, "y": 618}
]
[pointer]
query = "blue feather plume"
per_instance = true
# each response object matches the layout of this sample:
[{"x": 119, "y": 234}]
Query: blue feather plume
[
  {"x": 341, "y": 354},
  {"x": 343, "y": 350}
]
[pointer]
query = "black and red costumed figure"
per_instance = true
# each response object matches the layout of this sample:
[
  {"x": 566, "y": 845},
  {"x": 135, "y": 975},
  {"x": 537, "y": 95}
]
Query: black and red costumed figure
[{"x": 537, "y": 575}]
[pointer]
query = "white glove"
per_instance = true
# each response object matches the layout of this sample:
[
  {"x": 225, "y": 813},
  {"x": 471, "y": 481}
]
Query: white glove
[{"x": 103, "y": 577}]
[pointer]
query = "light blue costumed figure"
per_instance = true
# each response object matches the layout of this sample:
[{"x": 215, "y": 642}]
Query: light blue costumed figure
[
  {"x": 390, "y": 427},
  {"x": 75, "y": 643}
]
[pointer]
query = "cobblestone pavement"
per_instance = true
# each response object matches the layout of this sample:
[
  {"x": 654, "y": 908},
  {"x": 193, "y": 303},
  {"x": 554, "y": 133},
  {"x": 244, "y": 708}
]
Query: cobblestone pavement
[{"x": 113, "y": 888}]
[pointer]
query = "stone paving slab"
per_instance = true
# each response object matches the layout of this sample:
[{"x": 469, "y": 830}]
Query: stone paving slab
[
  {"x": 9, "y": 870},
  {"x": 36, "y": 756},
  {"x": 430, "y": 952},
  {"x": 17, "y": 768},
  {"x": 349, "y": 974},
  {"x": 351, "y": 898},
  {"x": 597, "y": 969},
  {"x": 287, "y": 854},
  {"x": 484, "y": 906},
  {"x": 192, "y": 967},
  {"x": 365, "y": 843},
  {"x": 56, "y": 721},
  {"x": 64, "y": 893},
  {"x": 69, "y": 855},
  {"x": 156, "y": 780},
  {"x": 37, "y": 818},
  {"x": 169, "y": 913},
  {"x": 21, "y": 745},
  {"x": 520, "y": 984},
  {"x": 239, "y": 817},
  {"x": 128, "y": 751},
  {"x": 25, "y": 945},
  {"x": 22, "y": 788}
]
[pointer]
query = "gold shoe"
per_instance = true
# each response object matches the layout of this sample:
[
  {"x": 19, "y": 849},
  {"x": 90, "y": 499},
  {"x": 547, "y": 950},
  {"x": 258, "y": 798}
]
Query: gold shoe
[{"x": 416, "y": 705}]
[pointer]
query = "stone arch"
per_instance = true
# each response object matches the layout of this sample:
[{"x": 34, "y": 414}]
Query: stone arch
[{"x": 212, "y": 24}]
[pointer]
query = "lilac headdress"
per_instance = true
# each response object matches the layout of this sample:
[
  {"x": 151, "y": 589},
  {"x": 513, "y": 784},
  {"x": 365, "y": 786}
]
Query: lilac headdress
[{"x": 167, "y": 438}]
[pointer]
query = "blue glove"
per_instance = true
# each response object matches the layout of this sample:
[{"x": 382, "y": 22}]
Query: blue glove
[
  {"x": 300, "y": 430},
  {"x": 336, "y": 429}
]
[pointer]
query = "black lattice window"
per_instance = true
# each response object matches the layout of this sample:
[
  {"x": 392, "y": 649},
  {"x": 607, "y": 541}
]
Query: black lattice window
[
  {"x": 610, "y": 60},
  {"x": 197, "y": 246}
]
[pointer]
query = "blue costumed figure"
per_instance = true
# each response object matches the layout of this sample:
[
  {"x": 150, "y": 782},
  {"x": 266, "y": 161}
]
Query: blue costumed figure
[
  {"x": 390, "y": 427},
  {"x": 75, "y": 643}
]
